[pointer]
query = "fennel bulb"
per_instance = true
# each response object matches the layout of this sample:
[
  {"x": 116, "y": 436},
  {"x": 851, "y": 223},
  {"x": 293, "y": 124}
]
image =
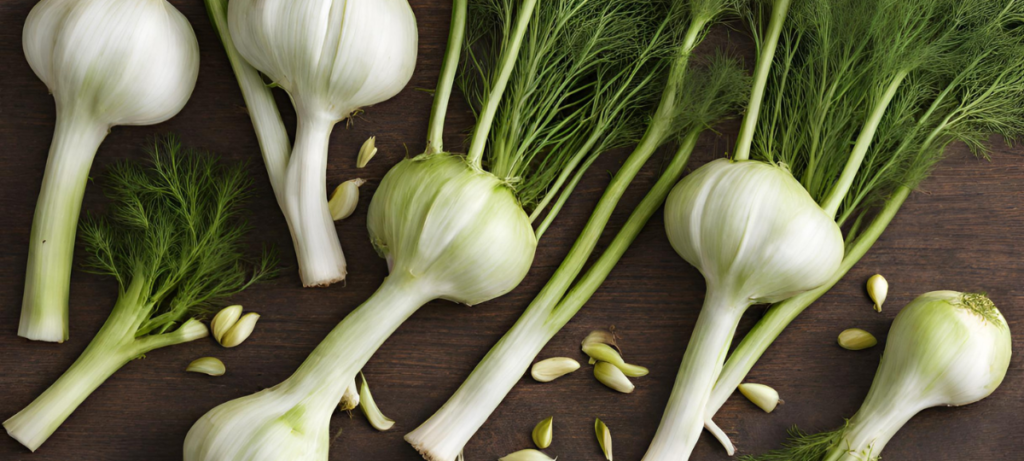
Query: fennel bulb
[
  {"x": 332, "y": 57},
  {"x": 945, "y": 348},
  {"x": 757, "y": 236},
  {"x": 448, "y": 231},
  {"x": 106, "y": 62},
  {"x": 174, "y": 243}
]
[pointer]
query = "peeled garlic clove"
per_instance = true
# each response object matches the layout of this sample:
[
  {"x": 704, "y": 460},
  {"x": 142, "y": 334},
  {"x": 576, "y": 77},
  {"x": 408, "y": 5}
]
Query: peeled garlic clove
[
  {"x": 527, "y": 455},
  {"x": 350, "y": 399},
  {"x": 369, "y": 406},
  {"x": 763, "y": 396},
  {"x": 543, "y": 433},
  {"x": 612, "y": 376},
  {"x": 878, "y": 288},
  {"x": 367, "y": 152},
  {"x": 207, "y": 365},
  {"x": 550, "y": 369},
  {"x": 240, "y": 331},
  {"x": 604, "y": 438},
  {"x": 605, "y": 353},
  {"x": 345, "y": 199},
  {"x": 855, "y": 339},
  {"x": 224, "y": 320}
]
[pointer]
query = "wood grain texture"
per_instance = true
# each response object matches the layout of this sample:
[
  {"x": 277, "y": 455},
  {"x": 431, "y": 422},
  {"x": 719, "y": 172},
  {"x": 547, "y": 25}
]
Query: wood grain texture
[{"x": 962, "y": 231}]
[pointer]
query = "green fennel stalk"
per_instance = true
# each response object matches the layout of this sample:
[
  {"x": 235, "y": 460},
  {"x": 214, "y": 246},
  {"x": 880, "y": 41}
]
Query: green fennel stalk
[{"x": 173, "y": 242}]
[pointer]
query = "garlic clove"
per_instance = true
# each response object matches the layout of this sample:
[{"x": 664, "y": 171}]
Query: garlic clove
[
  {"x": 345, "y": 199},
  {"x": 527, "y": 455},
  {"x": 855, "y": 339},
  {"x": 602, "y": 352},
  {"x": 350, "y": 399},
  {"x": 366, "y": 152},
  {"x": 601, "y": 337},
  {"x": 370, "y": 409},
  {"x": 612, "y": 376},
  {"x": 207, "y": 365},
  {"x": 763, "y": 396},
  {"x": 543, "y": 433},
  {"x": 224, "y": 320},
  {"x": 878, "y": 288},
  {"x": 604, "y": 438},
  {"x": 550, "y": 369},
  {"x": 241, "y": 330}
]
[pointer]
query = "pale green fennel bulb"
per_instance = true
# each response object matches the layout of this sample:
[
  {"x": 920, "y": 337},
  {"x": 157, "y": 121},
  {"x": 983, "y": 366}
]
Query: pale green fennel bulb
[{"x": 107, "y": 63}]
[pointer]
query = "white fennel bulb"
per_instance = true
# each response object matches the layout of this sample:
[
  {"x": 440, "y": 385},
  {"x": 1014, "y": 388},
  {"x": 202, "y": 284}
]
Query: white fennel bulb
[
  {"x": 448, "y": 231},
  {"x": 945, "y": 348},
  {"x": 757, "y": 236},
  {"x": 107, "y": 63},
  {"x": 753, "y": 231},
  {"x": 332, "y": 57}
]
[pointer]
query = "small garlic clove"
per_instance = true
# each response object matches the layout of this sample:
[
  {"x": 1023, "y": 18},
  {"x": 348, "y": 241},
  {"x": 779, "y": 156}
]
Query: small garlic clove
[
  {"x": 350, "y": 399},
  {"x": 550, "y": 369},
  {"x": 240, "y": 331},
  {"x": 763, "y": 396},
  {"x": 543, "y": 433},
  {"x": 367, "y": 151},
  {"x": 878, "y": 288},
  {"x": 604, "y": 438},
  {"x": 605, "y": 353},
  {"x": 224, "y": 320},
  {"x": 855, "y": 339},
  {"x": 527, "y": 455},
  {"x": 345, "y": 199},
  {"x": 207, "y": 365},
  {"x": 602, "y": 337},
  {"x": 612, "y": 376},
  {"x": 370, "y": 409}
]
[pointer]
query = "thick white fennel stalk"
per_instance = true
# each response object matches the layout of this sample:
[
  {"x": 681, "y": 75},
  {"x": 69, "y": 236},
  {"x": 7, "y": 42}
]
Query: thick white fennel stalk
[
  {"x": 332, "y": 57},
  {"x": 945, "y": 348},
  {"x": 107, "y": 63}
]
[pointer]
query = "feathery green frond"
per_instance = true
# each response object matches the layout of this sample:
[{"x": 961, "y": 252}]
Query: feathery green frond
[
  {"x": 802, "y": 447},
  {"x": 176, "y": 224}
]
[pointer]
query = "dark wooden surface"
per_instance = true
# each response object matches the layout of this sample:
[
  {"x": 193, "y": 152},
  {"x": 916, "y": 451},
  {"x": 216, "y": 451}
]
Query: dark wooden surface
[{"x": 961, "y": 232}]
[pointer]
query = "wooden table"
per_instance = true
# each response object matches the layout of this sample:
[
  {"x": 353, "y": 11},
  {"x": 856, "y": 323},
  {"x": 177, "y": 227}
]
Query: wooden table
[{"x": 962, "y": 231}]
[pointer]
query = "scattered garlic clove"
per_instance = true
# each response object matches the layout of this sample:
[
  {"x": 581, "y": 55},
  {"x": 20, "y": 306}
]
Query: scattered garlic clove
[
  {"x": 207, "y": 365},
  {"x": 345, "y": 199},
  {"x": 612, "y": 376},
  {"x": 366, "y": 152},
  {"x": 763, "y": 396},
  {"x": 551, "y": 369},
  {"x": 604, "y": 438},
  {"x": 224, "y": 320},
  {"x": 601, "y": 337},
  {"x": 605, "y": 353},
  {"x": 240, "y": 331},
  {"x": 527, "y": 455},
  {"x": 350, "y": 399},
  {"x": 370, "y": 409},
  {"x": 878, "y": 288},
  {"x": 543, "y": 433},
  {"x": 855, "y": 339}
]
